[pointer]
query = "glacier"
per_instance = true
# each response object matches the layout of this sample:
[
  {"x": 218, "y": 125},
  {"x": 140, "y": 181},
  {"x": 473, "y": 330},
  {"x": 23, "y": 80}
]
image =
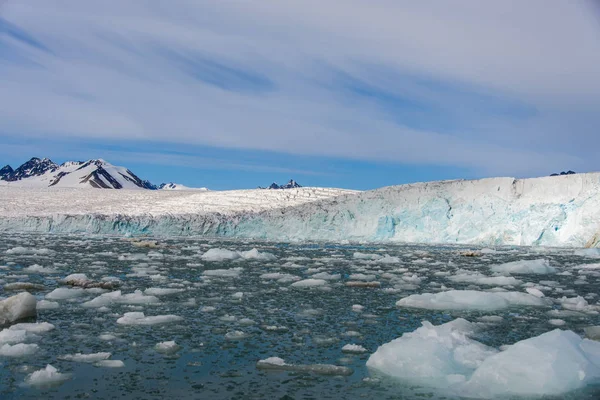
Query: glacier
[{"x": 561, "y": 211}]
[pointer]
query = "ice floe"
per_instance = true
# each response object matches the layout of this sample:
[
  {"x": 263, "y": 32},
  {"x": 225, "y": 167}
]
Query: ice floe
[
  {"x": 275, "y": 363},
  {"x": 17, "y": 307},
  {"x": 470, "y": 300},
  {"x": 446, "y": 356},
  {"x": 540, "y": 267},
  {"x": 138, "y": 318}
]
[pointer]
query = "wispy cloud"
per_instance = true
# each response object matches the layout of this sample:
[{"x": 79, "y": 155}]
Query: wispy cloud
[{"x": 507, "y": 87}]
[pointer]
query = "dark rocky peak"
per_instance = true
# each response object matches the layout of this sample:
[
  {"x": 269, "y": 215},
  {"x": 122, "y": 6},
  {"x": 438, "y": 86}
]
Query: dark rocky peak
[
  {"x": 292, "y": 184},
  {"x": 5, "y": 172},
  {"x": 33, "y": 167}
]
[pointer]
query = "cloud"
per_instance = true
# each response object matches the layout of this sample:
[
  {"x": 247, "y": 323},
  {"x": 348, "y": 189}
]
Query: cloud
[{"x": 502, "y": 88}]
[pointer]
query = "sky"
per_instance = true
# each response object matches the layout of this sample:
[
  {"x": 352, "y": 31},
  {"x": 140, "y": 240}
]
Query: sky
[{"x": 344, "y": 93}]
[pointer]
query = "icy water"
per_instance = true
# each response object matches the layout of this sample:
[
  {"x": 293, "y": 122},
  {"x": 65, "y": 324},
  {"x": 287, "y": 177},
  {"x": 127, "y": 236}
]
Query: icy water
[{"x": 250, "y": 310}]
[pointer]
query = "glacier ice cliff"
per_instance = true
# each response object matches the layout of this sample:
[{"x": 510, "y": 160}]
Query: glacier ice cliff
[{"x": 549, "y": 211}]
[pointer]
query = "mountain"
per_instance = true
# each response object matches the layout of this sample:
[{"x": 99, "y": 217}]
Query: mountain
[
  {"x": 292, "y": 184},
  {"x": 72, "y": 174},
  {"x": 177, "y": 186}
]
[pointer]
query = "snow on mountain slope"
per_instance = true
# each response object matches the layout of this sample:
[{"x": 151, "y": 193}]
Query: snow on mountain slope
[
  {"x": 73, "y": 174},
  {"x": 551, "y": 211}
]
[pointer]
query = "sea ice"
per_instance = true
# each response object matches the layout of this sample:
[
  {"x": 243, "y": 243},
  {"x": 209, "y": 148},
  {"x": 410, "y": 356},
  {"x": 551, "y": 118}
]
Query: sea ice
[
  {"x": 18, "y": 350},
  {"x": 46, "y": 377},
  {"x": 167, "y": 347},
  {"x": 276, "y": 363},
  {"x": 65, "y": 293},
  {"x": 47, "y": 305},
  {"x": 110, "y": 364},
  {"x": 86, "y": 358},
  {"x": 17, "y": 307},
  {"x": 540, "y": 267},
  {"x": 38, "y": 327},
  {"x": 470, "y": 300},
  {"x": 224, "y": 273},
  {"x": 446, "y": 356},
  {"x": 353, "y": 348},
  {"x": 138, "y": 318},
  {"x": 308, "y": 283}
]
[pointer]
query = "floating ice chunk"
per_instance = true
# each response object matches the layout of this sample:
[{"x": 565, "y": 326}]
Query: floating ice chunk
[
  {"x": 591, "y": 253},
  {"x": 17, "y": 307},
  {"x": 65, "y": 293},
  {"x": 353, "y": 348},
  {"x": 557, "y": 322},
  {"x": 18, "y": 350},
  {"x": 46, "y": 377},
  {"x": 23, "y": 286},
  {"x": 362, "y": 277},
  {"x": 38, "y": 327},
  {"x": 446, "y": 356},
  {"x": 47, "y": 305},
  {"x": 167, "y": 347},
  {"x": 254, "y": 254},
  {"x": 225, "y": 273},
  {"x": 540, "y": 267},
  {"x": 236, "y": 335},
  {"x": 308, "y": 283},
  {"x": 208, "y": 309},
  {"x": 155, "y": 291},
  {"x": 535, "y": 292},
  {"x": 86, "y": 358},
  {"x": 138, "y": 318},
  {"x": 109, "y": 364},
  {"x": 550, "y": 364},
  {"x": 107, "y": 337},
  {"x": 592, "y": 332},
  {"x": 217, "y": 255},
  {"x": 577, "y": 304},
  {"x": 480, "y": 279},
  {"x": 470, "y": 300},
  {"x": 276, "y": 363},
  {"x": 12, "y": 336},
  {"x": 326, "y": 276},
  {"x": 357, "y": 308},
  {"x": 38, "y": 269},
  {"x": 365, "y": 256},
  {"x": 238, "y": 295},
  {"x": 135, "y": 298}
]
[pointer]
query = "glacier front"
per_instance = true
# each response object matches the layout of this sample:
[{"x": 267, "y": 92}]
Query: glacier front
[{"x": 548, "y": 211}]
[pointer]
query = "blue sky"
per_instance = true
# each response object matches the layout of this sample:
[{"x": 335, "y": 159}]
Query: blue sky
[{"x": 347, "y": 93}]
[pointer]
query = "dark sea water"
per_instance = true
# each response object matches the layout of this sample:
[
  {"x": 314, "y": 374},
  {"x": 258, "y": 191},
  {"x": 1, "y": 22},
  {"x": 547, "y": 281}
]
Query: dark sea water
[{"x": 222, "y": 334}]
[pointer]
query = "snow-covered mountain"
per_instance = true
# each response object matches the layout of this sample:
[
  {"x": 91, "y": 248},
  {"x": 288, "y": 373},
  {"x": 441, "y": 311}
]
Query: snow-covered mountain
[
  {"x": 72, "y": 174},
  {"x": 292, "y": 184},
  {"x": 177, "y": 186}
]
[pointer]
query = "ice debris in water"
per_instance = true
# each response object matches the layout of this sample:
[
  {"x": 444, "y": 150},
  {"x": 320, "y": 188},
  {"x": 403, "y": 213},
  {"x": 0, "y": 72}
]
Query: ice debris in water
[
  {"x": 38, "y": 327},
  {"x": 224, "y": 273},
  {"x": 470, "y": 300},
  {"x": 17, "y": 307},
  {"x": 446, "y": 356},
  {"x": 46, "y": 377},
  {"x": 47, "y": 305},
  {"x": 216, "y": 255},
  {"x": 276, "y": 363},
  {"x": 38, "y": 269},
  {"x": 308, "y": 283},
  {"x": 353, "y": 348},
  {"x": 155, "y": 291},
  {"x": 480, "y": 279},
  {"x": 167, "y": 347},
  {"x": 540, "y": 267},
  {"x": 86, "y": 358},
  {"x": 138, "y": 318},
  {"x": 135, "y": 298},
  {"x": 110, "y": 364},
  {"x": 65, "y": 293},
  {"x": 18, "y": 350}
]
